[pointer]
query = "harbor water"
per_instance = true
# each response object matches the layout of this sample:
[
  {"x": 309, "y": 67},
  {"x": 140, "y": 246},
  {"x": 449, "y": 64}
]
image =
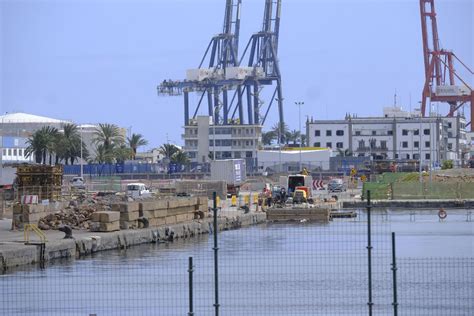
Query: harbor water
[{"x": 297, "y": 268}]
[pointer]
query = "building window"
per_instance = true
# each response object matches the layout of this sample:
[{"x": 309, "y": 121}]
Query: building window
[
  {"x": 340, "y": 132},
  {"x": 373, "y": 143},
  {"x": 339, "y": 145},
  {"x": 408, "y": 156},
  {"x": 14, "y": 152},
  {"x": 450, "y": 125},
  {"x": 416, "y": 156},
  {"x": 405, "y": 144},
  {"x": 361, "y": 144},
  {"x": 357, "y": 133},
  {"x": 226, "y": 154},
  {"x": 248, "y": 154},
  {"x": 416, "y": 144},
  {"x": 427, "y": 156},
  {"x": 427, "y": 144},
  {"x": 329, "y": 145},
  {"x": 4, "y": 152},
  {"x": 9, "y": 152},
  {"x": 317, "y": 132},
  {"x": 328, "y": 133},
  {"x": 237, "y": 154},
  {"x": 396, "y": 156},
  {"x": 450, "y": 146},
  {"x": 405, "y": 132},
  {"x": 426, "y": 131},
  {"x": 389, "y": 132},
  {"x": 374, "y": 133},
  {"x": 383, "y": 144},
  {"x": 317, "y": 144},
  {"x": 417, "y": 132},
  {"x": 20, "y": 152}
]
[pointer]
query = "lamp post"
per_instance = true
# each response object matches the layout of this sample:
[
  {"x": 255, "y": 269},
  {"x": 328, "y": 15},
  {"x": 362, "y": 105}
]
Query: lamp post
[
  {"x": 82, "y": 164},
  {"x": 299, "y": 104},
  {"x": 1, "y": 149}
]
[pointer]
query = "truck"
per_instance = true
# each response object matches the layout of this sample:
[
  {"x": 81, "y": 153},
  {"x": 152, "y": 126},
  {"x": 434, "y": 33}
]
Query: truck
[
  {"x": 232, "y": 171},
  {"x": 297, "y": 183}
]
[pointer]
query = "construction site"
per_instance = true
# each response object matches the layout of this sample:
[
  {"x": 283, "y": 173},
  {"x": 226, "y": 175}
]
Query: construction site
[{"x": 378, "y": 235}]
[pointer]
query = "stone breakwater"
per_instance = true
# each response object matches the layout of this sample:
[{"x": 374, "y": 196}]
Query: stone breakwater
[{"x": 86, "y": 243}]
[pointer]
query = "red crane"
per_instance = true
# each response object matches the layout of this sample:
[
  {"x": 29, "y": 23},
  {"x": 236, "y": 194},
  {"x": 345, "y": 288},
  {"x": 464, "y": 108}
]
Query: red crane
[{"x": 442, "y": 83}]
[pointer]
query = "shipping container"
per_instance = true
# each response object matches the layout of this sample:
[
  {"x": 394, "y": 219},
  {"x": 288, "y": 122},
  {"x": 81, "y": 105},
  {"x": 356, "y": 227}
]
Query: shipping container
[{"x": 233, "y": 171}]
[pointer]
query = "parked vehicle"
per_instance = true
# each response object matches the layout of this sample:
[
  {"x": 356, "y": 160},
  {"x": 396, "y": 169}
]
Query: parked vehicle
[
  {"x": 136, "y": 190},
  {"x": 336, "y": 185},
  {"x": 78, "y": 183}
]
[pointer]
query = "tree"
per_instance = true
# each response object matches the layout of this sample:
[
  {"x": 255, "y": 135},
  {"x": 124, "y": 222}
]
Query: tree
[
  {"x": 102, "y": 155},
  {"x": 180, "y": 157},
  {"x": 268, "y": 137},
  {"x": 69, "y": 144},
  {"x": 42, "y": 143},
  {"x": 122, "y": 153},
  {"x": 168, "y": 150},
  {"x": 136, "y": 141},
  {"x": 344, "y": 153},
  {"x": 294, "y": 136},
  {"x": 108, "y": 135},
  {"x": 282, "y": 130}
]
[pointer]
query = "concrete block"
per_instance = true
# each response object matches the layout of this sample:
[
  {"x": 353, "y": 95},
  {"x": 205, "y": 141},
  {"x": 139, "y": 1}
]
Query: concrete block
[
  {"x": 104, "y": 227},
  {"x": 170, "y": 220},
  {"x": 125, "y": 207},
  {"x": 181, "y": 218},
  {"x": 180, "y": 210},
  {"x": 156, "y": 222},
  {"x": 129, "y": 216},
  {"x": 161, "y": 204},
  {"x": 105, "y": 216},
  {"x": 128, "y": 224},
  {"x": 147, "y": 206}
]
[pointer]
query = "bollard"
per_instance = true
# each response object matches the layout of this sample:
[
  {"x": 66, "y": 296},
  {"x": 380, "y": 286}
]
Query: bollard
[
  {"x": 246, "y": 199},
  {"x": 234, "y": 200}
]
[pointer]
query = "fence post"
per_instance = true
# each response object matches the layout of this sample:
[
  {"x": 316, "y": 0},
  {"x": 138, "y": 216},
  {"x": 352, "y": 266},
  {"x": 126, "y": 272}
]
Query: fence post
[
  {"x": 190, "y": 271},
  {"x": 216, "y": 267},
  {"x": 369, "y": 253},
  {"x": 394, "y": 273}
]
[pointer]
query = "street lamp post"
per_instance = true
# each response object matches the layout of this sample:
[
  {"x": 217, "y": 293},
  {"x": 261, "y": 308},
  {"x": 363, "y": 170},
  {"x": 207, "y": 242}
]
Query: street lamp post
[
  {"x": 82, "y": 164},
  {"x": 299, "y": 104}
]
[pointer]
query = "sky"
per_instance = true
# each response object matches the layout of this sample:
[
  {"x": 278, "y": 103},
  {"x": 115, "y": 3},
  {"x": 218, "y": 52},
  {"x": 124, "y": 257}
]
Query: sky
[{"x": 99, "y": 61}]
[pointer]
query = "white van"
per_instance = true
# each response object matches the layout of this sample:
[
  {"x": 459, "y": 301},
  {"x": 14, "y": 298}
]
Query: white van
[{"x": 136, "y": 190}]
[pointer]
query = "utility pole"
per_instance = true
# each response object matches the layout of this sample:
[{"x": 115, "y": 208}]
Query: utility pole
[
  {"x": 299, "y": 104},
  {"x": 82, "y": 165}
]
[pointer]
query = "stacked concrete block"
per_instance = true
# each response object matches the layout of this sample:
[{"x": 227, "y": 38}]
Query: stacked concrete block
[
  {"x": 155, "y": 211},
  {"x": 181, "y": 210},
  {"x": 105, "y": 221},
  {"x": 28, "y": 214},
  {"x": 129, "y": 214}
]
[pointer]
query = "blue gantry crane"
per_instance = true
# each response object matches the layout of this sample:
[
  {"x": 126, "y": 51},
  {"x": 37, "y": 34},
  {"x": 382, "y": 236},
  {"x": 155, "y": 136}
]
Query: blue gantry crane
[{"x": 221, "y": 72}]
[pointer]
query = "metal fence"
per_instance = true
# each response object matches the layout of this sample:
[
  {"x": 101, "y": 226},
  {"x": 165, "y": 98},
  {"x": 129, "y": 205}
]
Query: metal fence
[
  {"x": 416, "y": 190},
  {"x": 297, "y": 268}
]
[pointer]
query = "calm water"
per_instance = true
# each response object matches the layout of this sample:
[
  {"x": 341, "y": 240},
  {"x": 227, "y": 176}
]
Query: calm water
[{"x": 273, "y": 269}]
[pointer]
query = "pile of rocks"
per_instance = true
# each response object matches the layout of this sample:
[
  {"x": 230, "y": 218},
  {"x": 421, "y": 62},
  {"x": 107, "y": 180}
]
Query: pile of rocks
[{"x": 77, "y": 218}]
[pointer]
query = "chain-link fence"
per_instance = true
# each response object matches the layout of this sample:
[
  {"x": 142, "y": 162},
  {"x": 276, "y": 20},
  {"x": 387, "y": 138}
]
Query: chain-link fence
[{"x": 292, "y": 268}]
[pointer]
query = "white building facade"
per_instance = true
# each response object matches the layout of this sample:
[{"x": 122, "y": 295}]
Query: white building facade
[
  {"x": 203, "y": 140},
  {"x": 393, "y": 137}
]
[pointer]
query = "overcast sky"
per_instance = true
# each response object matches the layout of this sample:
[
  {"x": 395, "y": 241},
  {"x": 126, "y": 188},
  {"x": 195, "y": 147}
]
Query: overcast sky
[{"x": 100, "y": 60}]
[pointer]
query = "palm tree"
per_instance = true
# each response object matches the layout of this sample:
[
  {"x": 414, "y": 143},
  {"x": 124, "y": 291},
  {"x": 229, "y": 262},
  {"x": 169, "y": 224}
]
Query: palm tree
[
  {"x": 136, "y": 141},
  {"x": 102, "y": 155},
  {"x": 344, "y": 153},
  {"x": 282, "y": 130},
  {"x": 42, "y": 142},
  {"x": 122, "y": 153},
  {"x": 180, "y": 157},
  {"x": 108, "y": 135},
  {"x": 268, "y": 137},
  {"x": 70, "y": 144},
  {"x": 168, "y": 150},
  {"x": 294, "y": 136}
]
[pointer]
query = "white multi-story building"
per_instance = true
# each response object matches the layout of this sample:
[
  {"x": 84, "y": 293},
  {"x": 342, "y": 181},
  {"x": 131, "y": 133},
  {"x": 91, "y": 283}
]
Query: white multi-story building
[
  {"x": 396, "y": 135},
  {"x": 204, "y": 140}
]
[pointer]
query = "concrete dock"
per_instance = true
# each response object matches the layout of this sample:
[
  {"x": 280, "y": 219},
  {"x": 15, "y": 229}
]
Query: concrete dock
[{"x": 14, "y": 253}]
